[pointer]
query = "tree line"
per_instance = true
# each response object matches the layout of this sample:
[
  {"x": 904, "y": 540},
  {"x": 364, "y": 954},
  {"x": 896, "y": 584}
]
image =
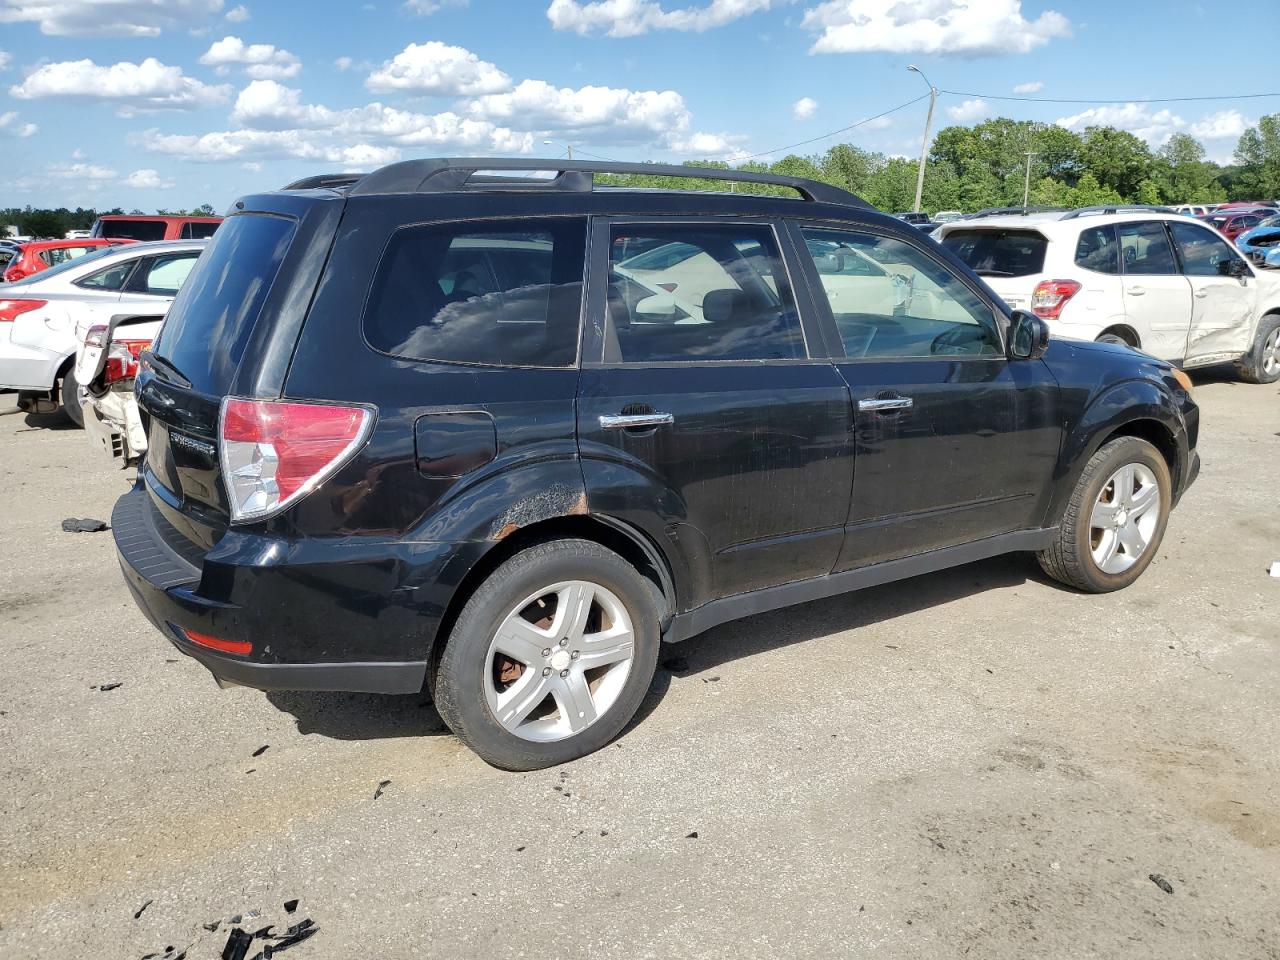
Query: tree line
[
  {"x": 972, "y": 168},
  {"x": 35, "y": 222}
]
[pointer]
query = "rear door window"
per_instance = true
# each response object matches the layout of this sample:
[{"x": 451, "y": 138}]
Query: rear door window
[
  {"x": 1098, "y": 250},
  {"x": 1146, "y": 249},
  {"x": 502, "y": 293},
  {"x": 214, "y": 314},
  {"x": 1203, "y": 252},
  {"x": 163, "y": 276},
  {"x": 999, "y": 253}
]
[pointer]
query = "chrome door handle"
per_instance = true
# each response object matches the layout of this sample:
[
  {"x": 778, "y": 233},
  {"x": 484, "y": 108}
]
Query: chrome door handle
[
  {"x": 633, "y": 420},
  {"x": 886, "y": 403},
  {"x": 1202, "y": 294}
]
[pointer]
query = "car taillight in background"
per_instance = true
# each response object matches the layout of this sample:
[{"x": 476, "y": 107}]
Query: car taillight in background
[
  {"x": 274, "y": 452},
  {"x": 122, "y": 360},
  {"x": 1051, "y": 296},
  {"x": 10, "y": 310}
]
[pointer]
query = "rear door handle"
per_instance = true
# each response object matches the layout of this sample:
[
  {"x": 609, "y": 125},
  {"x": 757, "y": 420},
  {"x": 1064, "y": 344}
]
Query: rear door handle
[
  {"x": 633, "y": 420},
  {"x": 886, "y": 403},
  {"x": 1202, "y": 294},
  {"x": 1135, "y": 291}
]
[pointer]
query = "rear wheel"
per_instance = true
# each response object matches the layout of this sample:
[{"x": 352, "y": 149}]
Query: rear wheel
[
  {"x": 1115, "y": 519},
  {"x": 1262, "y": 363},
  {"x": 550, "y": 657},
  {"x": 1113, "y": 338},
  {"x": 69, "y": 397}
]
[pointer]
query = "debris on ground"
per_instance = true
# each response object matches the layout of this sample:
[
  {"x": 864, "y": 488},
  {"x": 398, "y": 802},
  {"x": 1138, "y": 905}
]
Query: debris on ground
[
  {"x": 212, "y": 927},
  {"x": 381, "y": 789},
  {"x": 290, "y": 906},
  {"x": 1275, "y": 570},
  {"x": 142, "y": 909},
  {"x": 675, "y": 664},
  {"x": 261, "y": 750},
  {"x": 691, "y": 836},
  {"x": 87, "y": 525},
  {"x": 1160, "y": 882},
  {"x": 238, "y": 944},
  {"x": 103, "y": 688}
]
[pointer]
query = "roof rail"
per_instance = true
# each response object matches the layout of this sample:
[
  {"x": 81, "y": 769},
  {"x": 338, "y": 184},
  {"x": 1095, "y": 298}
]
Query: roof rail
[
  {"x": 329, "y": 180},
  {"x": 1117, "y": 208},
  {"x": 451, "y": 175},
  {"x": 1012, "y": 212}
]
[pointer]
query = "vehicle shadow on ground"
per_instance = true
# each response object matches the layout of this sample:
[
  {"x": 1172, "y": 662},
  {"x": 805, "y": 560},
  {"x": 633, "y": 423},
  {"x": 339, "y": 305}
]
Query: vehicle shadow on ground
[
  {"x": 363, "y": 716},
  {"x": 57, "y": 421}
]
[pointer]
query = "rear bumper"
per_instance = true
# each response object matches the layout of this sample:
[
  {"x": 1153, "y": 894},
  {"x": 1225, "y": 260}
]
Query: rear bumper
[
  {"x": 305, "y": 618},
  {"x": 112, "y": 424}
]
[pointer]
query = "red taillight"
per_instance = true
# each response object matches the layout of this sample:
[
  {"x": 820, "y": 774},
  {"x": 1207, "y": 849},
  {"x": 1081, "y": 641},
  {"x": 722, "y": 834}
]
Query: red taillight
[
  {"x": 1051, "y": 296},
  {"x": 274, "y": 451},
  {"x": 12, "y": 309},
  {"x": 240, "y": 648},
  {"x": 14, "y": 274},
  {"x": 122, "y": 360}
]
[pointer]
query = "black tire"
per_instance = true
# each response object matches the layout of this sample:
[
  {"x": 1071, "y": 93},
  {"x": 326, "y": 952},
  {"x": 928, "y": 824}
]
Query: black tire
[
  {"x": 1113, "y": 338},
  {"x": 1253, "y": 365},
  {"x": 1070, "y": 559},
  {"x": 458, "y": 680},
  {"x": 68, "y": 396}
]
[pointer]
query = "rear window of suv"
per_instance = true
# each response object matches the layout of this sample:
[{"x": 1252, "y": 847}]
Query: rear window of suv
[
  {"x": 144, "y": 230},
  {"x": 999, "y": 253},
  {"x": 498, "y": 293},
  {"x": 210, "y": 322}
]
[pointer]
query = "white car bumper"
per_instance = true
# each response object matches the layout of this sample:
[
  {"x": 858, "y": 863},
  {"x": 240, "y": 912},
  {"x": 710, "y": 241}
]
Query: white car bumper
[{"x": 113, "y": 424}]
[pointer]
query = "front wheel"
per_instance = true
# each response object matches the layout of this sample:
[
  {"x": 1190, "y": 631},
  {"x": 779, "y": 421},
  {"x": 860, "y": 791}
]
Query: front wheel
[
  {"x": 1262, "y": 363},
  {"x": 550, "y": 657},
  {"x": 1115, "y": 519}
]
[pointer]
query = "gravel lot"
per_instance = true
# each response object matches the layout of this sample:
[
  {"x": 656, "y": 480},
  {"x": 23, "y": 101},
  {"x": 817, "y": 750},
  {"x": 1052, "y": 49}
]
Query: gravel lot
[{"x": 974, "y": 763}]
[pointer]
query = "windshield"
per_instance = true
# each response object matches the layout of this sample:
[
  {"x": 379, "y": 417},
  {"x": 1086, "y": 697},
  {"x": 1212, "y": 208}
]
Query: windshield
[
  {"x": 67, "y": 266},
  {"x": 210, "y": 322},
  {"x": 999, "y": 253}
]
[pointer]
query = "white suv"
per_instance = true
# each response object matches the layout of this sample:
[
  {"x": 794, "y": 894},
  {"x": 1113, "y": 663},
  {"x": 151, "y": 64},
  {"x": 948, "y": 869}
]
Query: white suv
[{"x": 1163, "y": 283}]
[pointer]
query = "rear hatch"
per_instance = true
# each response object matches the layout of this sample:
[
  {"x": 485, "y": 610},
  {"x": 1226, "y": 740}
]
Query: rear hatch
[
  {"x": 1011, "y": 261},
  {"x": 229, "y": 332}
]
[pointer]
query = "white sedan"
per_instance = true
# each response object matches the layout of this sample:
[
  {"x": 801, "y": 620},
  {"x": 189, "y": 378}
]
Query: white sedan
[{"x": 40, "y": 316}]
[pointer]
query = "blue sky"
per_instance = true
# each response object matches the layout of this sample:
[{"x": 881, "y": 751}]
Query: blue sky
[{"x": 153, "y": 103}]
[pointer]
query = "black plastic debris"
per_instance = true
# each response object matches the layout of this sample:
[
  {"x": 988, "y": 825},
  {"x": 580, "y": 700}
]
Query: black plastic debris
[
  {"x": 381, "y": 788},
  {"x": 87, "y": 525},
  {"x": 142, "y": 909},
  {"x": 264, "y": 933},
  {"x": 103, "y": 688},
  {"x": 292, "y": 937},
  {"x": 261, "y": 750},
  {"x": 1160, "y": 882},
  {"x": 212, "y": 927},
  {"x": 237, "y": 945},
  {"x": 691, "y": 836},
  {"x": 675, "y": 664},
  {"x": 290, "y": 906}
]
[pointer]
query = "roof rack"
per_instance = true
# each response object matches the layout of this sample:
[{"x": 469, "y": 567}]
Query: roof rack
[
  {"x": 1117, "y": 208},
  {"x": 452, "y": 175},
  {"x": 326, "y": 180},
  {"x": 1012, "y": 212}
]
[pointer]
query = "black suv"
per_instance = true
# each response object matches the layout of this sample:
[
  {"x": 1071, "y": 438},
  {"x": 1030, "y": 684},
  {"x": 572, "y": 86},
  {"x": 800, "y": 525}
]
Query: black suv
[{"x": 455, "y": 426}]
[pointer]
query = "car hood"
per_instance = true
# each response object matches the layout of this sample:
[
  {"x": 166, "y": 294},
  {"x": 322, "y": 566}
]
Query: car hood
[{"x": 1260, "y": 235}]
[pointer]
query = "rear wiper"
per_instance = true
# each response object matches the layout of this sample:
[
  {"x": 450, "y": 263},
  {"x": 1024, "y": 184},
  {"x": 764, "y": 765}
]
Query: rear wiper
[{"x": 172, "y": 373}]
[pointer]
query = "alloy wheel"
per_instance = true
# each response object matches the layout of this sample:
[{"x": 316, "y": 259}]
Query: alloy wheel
[
  {"x": 1271, "y": 353},
  {"x": 1125, "y": 518}
]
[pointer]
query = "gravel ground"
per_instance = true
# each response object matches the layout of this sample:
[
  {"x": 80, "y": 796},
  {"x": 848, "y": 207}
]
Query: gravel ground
[{"x": 975, "y": 763}]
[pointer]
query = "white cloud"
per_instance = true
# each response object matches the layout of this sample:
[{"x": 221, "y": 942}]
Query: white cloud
[
  {"x": 5, "y": 59},
  {"x": 147, "y": 179},
  {"x": 10, "y": 127},
  {"x": 1138, "y": 119},
  {"x": 119, "y": 18},
  {"x": 426, "y": 7},
  {"x": 1223, "y": 125},
  {"x": 969, "y": 111},
  {"x": 343, "y": 63},
  {"x": 150, "y": 85},
  {"x": 80, "y": 171},
  {"x": 804, "y": 108},
  {"x": 709, "y": 146},
  {"x": 438, "y": 68},
  {"x": 964, "y": 28},
  {"x": 631, "y": 18},
  {"x": 262, "y": 61},
  {"x": 606, "y": 113},
  {"x": 1035, "y": 86},
  {"x": 238, "y": 14}
]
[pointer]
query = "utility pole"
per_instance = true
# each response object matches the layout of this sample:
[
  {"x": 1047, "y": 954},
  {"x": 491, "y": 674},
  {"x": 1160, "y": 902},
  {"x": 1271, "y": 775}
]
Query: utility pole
[
  {"x": 1026, "y": 187},
  {"x": 928, "y": 126},
  {"x": 567, "y": 146}
]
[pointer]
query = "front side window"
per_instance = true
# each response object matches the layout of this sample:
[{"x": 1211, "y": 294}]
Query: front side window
[
  {"x": 505, "y": 293},
  {"x": 915, "y": 307},
  {"x": 163, "y": 276},
  {"x": 1098, "y": 250},
  {"x": 699, "y": 292},
  {"x": 1203, "y": 253},
  {"x": 1146, "y": 249},
  {"x": 999, "y": 253}
]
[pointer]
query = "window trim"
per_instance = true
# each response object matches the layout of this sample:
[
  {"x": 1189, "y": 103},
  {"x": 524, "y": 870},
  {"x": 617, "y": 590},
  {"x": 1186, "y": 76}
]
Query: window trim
[
  {"x": 496, "y": 218},
  {"x": 823, "y": 305},
  {"x": 1115, "y": 237},
  {"x": 598, "y": 247}
]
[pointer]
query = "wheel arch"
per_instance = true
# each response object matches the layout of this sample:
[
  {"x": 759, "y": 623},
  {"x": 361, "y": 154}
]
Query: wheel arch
[{"x": 1125, "y": 332}]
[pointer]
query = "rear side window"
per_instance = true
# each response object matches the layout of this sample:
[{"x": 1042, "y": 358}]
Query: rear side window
[
  {"x": 210, "y": 322},
  {"x": 131, "y": 229},
  {"x": 505, "y": 293},
  {"x": 198, "y": 231},
  {"x": 999, "y": 253},
  {"x": 1098, "y": 250},
  {"x": 60, "y": 255},
  {"x": 1146, "y": 249},
  {"x": 163, "y": 276},
  {"x": 699, "y": 292}
]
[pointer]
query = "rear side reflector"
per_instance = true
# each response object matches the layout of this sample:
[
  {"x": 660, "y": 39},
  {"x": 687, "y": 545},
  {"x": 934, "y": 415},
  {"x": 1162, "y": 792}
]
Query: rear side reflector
[
  {"x": 275, "y": 452},
  {"x": 241, "y": 648},
  {"x": 12, "y": 309}
]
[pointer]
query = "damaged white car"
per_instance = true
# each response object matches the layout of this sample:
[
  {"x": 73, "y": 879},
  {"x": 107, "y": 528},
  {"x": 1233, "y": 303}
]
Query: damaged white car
[
  {"x": 106, "y": 366},
  {"x": 1158, "y": 282}
]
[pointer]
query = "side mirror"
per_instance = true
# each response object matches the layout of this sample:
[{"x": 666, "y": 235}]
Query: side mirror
[
  {"x": 1234, "y": 268},
  {"x": 1028, "y": 336},
  {"x": 659, "y": 307}
]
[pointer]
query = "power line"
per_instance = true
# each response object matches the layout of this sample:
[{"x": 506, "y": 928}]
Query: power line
[
  {"x": 989, "y": 96},
  {"x": 852, "y": 126}
]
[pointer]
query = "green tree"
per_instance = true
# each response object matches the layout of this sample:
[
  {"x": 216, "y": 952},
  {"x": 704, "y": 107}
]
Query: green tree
[
  {"x": 1184, "y": 175},
  {"x": 41, "y": 223},
  {"x": 1118, "y": 159},
  {"x": 1258, "y": 154}
]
